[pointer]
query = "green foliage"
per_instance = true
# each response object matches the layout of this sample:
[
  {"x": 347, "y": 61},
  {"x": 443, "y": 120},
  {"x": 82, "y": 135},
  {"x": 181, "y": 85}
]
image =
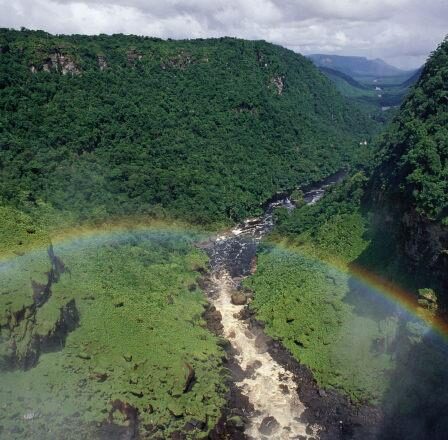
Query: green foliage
[
  {"x": 303, "y": 302},
  {"x": 413, "y": 164},
  {"x": 140, "y": 331},
  {"x": 206, "y": 130},
  {"x": 342, "y": 201},
  {"x": 19, "y": 232},
  {"x": 308, "y": 298}
]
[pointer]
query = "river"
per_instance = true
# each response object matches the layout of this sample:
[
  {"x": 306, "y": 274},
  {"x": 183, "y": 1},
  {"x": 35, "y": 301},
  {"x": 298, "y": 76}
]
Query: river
[{"x": 271, "y": 389}]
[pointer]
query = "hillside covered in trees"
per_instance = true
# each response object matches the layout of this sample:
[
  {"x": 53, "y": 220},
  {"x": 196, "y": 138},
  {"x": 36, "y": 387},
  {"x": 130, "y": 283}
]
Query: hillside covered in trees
[
  {"x": 206, "y": 130},
  {"x": 382, "y": 231}
]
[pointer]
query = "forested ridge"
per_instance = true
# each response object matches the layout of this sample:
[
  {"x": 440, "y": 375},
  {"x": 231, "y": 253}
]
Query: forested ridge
[
  {"x": 413, "y": 155},
  {"x": 389, "y": 219},
  {"x": 206, "y": 130}
]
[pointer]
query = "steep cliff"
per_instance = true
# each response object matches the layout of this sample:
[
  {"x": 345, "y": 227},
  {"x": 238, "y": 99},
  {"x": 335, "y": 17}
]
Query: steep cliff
[
  {"x": 33, "y": 319},
  {"x": 409, "y": 187}
]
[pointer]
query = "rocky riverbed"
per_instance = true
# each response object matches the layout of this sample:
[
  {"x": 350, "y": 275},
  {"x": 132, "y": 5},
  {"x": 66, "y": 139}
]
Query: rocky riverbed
[{"x": 272, "y": 396}]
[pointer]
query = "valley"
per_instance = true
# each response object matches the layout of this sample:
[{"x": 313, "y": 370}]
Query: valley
[{"x": 216, "y": 239}]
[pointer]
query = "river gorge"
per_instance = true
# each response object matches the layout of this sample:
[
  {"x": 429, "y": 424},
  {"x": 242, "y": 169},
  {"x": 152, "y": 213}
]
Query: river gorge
[{"x": 269, "y": 387}]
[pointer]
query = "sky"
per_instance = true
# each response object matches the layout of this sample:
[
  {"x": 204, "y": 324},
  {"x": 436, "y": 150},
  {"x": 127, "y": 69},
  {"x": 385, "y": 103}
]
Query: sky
[{"x": 402, "y": 32}]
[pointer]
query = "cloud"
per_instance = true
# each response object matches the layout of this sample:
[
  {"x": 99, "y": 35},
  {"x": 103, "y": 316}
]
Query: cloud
[{"x": 403, "y": 32}]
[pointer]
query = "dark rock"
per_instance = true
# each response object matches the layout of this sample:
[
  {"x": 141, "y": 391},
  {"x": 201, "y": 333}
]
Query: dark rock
[
  {"x": 213, "y": 319},
  {"x": 237, "y": 422},
  {"x": 194, "y": 424},
  {"x": 238, "y": 298},
  {"x": 190, "y": 376},
  {"x": 252, "y": 368},
  {"x": 261, "y": 343},
  {"x": 84, "y": 355},
  {"x": 111, "y": 431},
  {"x": 268, "y": 426},
  {"x": 284, "y": 388}
]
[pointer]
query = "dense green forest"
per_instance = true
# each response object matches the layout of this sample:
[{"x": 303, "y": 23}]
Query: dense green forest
[
  {"x": 205, "y": 130},
  {"x": 414, "y": 151}
]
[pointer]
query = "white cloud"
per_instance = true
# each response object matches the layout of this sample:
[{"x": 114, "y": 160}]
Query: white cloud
[{"x": 401, "y": 31}]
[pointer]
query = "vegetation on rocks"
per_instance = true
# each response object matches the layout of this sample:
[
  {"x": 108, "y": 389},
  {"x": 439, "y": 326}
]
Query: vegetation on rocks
[{"x": 138, "y": 345}]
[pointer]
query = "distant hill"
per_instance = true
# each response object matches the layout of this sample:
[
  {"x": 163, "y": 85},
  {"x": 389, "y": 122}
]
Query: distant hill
[
  {"x": 357, "y": 66},
  {"x": 332, "y": 73},
  {"x": 380, "y": 92}
]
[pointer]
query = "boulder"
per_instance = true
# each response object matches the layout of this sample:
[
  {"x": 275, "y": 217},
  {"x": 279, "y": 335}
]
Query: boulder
[
  {"x": 238, "y": 298},
  {"x": 237, "y": 422},
  {"x": 268, "y": 426},
  {"x": 261, "y": 344}
]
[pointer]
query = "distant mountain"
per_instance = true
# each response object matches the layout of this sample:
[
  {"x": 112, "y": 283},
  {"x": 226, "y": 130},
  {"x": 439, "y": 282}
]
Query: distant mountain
[
  {"x": 332, "y": 73},
  {"x": 413, "y": 79},
  {"x": 356, "y": 66}
]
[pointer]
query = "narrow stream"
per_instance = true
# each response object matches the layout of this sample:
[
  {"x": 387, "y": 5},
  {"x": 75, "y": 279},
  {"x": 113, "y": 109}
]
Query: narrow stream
[{"x": 269, "y": 387}]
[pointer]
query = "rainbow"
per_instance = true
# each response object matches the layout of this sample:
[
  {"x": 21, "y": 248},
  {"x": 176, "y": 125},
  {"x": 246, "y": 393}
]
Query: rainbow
[
  {"x": 403, "y": 298},
  {"x": 379, "y": 286},
  {"x": 95, "y": 234}
]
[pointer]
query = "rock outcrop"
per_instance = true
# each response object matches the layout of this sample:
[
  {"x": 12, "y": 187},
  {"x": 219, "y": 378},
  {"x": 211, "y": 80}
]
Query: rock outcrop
[
  {"x": 133, "y": 56},
  {"x": 238, "y": 298},
  {"x": 425, "y": 243},
  {"x": 57, "y": 62},
  {"x": 278, "y": 82},
  {"x": 179, "y": 61},
  {"x": 102, "y": 62},
  {"x": 30, "y": 330}
]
